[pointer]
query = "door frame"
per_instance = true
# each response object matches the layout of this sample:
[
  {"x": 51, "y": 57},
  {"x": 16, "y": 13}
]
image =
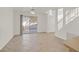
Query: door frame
[
  {"x": 21, "y": 24},
  {"x": 21, "y": 21}
]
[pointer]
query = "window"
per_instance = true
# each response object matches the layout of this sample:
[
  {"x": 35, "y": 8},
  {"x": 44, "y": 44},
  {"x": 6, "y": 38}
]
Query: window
[
  {"x": 60, "y": 18},
  {"x": 71, "y": 14}
]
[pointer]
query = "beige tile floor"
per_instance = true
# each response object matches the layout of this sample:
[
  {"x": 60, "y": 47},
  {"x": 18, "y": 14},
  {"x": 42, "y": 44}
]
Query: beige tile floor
[{"x": 37, "y": 42}]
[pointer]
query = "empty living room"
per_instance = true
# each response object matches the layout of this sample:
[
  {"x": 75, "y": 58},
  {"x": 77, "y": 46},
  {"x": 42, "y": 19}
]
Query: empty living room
[{"x": 39, "y": 29}]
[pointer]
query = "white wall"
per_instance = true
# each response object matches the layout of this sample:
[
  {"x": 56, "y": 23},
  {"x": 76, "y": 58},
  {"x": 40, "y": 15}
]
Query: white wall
[
  {"x": 72, "y": 28},
  {"x": 42, "y": 23},
  {"x": 16, "y": 22},
  {"x": 51, "y": 22},
  {"x": 6, "y": 25}
]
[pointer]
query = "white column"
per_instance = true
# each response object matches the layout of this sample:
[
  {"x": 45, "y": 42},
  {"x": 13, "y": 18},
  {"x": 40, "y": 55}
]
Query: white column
[
  {"x": 51, "y": 22},
  {"x": 56, "y": 20},
  {"x": 64, "y": 16}
]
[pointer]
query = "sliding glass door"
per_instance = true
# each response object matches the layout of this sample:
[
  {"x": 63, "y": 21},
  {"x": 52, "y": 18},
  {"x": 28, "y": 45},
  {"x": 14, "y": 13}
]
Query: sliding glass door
[{"x": 29, "y": 24}]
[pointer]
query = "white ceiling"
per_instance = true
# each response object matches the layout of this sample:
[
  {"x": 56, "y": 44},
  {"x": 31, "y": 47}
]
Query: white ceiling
[{"x": 37, "y": 9}]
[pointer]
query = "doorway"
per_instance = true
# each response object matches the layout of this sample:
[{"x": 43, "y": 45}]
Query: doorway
[{"x": 28, "y": 24}]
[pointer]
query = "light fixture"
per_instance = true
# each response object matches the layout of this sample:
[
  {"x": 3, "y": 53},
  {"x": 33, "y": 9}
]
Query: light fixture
[{"x": 32, "y": 11}]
